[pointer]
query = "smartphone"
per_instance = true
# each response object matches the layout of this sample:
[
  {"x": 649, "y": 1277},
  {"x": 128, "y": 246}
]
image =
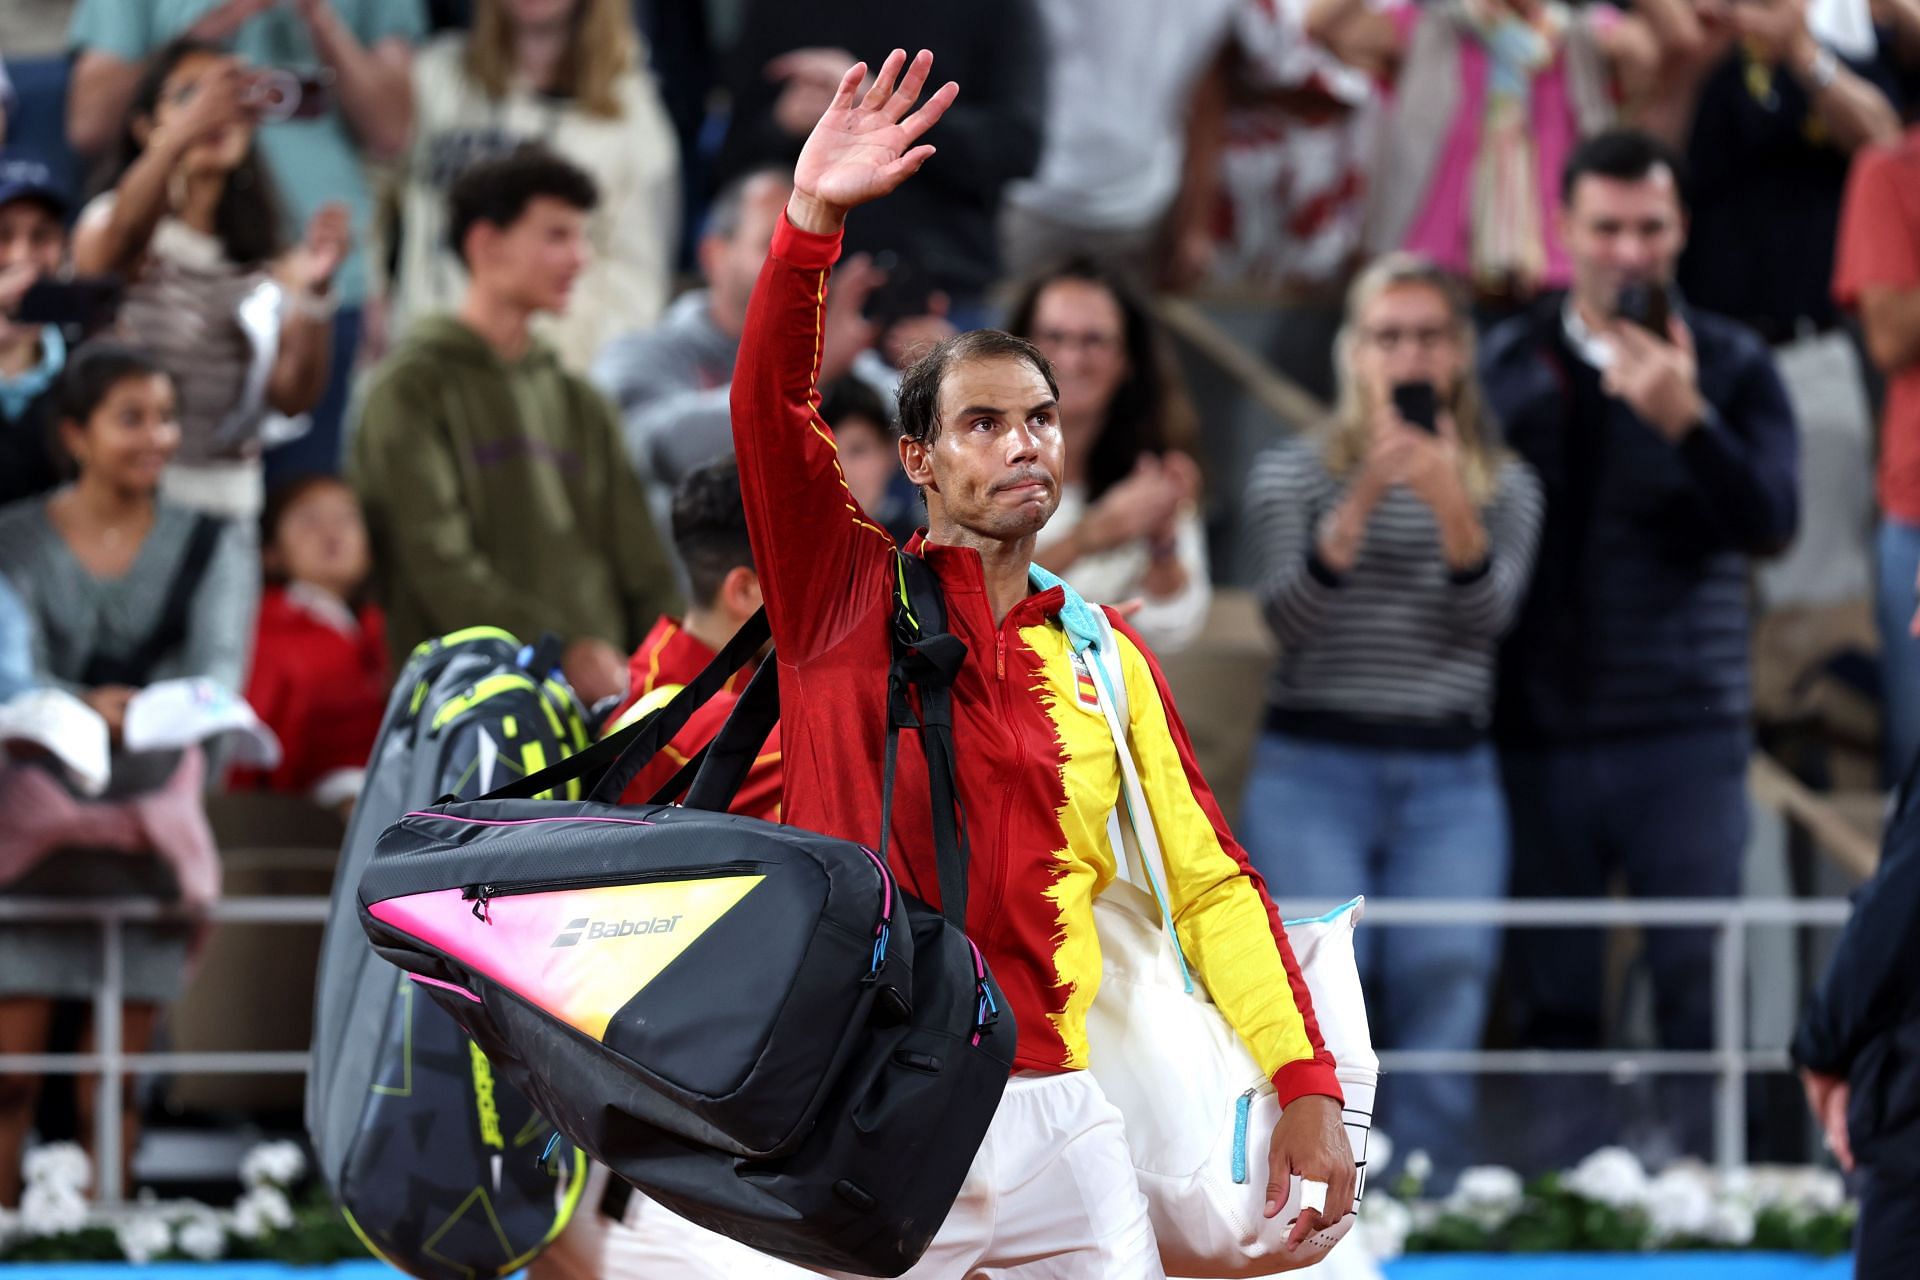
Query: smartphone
[
  {"x": 88, "y": 302},
  {"x": 902, "y": 295},
  {"x": 1419, "y": 404},
  {"x": 278, "y": 94},
  {"x": 1647, "y": 305}
]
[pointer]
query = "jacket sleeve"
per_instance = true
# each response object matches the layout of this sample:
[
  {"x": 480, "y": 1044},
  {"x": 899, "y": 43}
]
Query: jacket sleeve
[
  {"x": 814, "y": 549},
  {"x": 1745, "y": 460},
  {"x": 406, "y": 475},
  {"x": 1228, "y": 925},
  {"x": 1869, "y": 983},
  {"x": 1486, "y": 602}
]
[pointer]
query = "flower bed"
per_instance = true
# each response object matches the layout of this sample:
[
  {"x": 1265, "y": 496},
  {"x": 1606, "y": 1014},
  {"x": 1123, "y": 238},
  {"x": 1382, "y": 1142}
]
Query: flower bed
[{"x": 1688, "y": 1217}]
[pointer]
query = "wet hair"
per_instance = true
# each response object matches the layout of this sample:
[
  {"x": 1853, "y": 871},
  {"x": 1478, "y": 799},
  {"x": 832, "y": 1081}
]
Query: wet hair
[
  {"x": 1628, "y": 155},
  {"x": 93, "y": 371},
  {"x": 497, "y": 190},
  {"x": 1150, "y": 412},
  {"x": 850, "y": 397},
  {"x": 710, "y": 528},
  {"x": 249, "y": 221},
  {"x": 920, "y": 385}
]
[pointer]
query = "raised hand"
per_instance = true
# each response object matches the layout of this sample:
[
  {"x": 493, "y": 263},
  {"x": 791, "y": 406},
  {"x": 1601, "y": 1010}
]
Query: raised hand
[
  {"x": 311, "y": 264},
  {"x": 864, "y": 145}
]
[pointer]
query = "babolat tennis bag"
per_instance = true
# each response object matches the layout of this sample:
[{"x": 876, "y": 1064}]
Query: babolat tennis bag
[
  {"x": 434, "y": 1159},
  {"x": 750, "y": 1023}
]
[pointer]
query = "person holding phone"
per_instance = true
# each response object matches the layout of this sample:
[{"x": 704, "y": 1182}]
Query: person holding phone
[
  {"x": 1390, "y": 551},
  {"x": 1670, "y": 458},
  {"x": 33, "y": 243}
]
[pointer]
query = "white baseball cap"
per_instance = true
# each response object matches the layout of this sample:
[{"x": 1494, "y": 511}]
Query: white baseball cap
[
  {"x": 172, "y": 714},
  {"x": 66, "y": 728}
]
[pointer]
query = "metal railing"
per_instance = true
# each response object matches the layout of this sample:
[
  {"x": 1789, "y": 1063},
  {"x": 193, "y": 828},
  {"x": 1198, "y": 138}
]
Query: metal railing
[{"x": 1730, "y": 1061}]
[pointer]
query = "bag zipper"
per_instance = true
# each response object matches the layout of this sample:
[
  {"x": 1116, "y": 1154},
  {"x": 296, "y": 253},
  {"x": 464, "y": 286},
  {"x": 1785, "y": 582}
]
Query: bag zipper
[
  {"x": 883, "y": 931},
  {"x": 986, "y": 1010},
  {"x": 482, "y": 894},
  {"x": 1242, "y": 1112}
]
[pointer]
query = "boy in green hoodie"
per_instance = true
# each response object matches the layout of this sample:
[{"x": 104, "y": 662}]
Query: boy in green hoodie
[{"x": 495, "y": 485}]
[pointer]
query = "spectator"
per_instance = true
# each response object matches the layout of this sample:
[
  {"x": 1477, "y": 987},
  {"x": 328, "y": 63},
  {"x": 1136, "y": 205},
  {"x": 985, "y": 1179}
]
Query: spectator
[
  {"x": 1878, "y": 275},
  {"x": 670, "y": 383},
  {"x": 1777, "y": 117},
  {"x": 568, "y": 73},
  {"x": 1489, "y": 97},
  {"x": 1128, "y": 523},
  {"x": 868, "y": 448},
  {"x": 710, "y": 534},
  {"x": 33, "y": 241},
  {"x": 1135, "y": 114},
  {"x": 122, "y": 588},
  {"x": 192, "y": 221},
  {"x": 1855, "y": 1048},
  {"x": 493, "y": 480},
  {"x": 337, "y": 73},
  {"x": 1669, "y": 464},
  {"x": 1390, "y": 560},
  {"x": 783, "y": 72},
  {"x": 320, "y": 674}
]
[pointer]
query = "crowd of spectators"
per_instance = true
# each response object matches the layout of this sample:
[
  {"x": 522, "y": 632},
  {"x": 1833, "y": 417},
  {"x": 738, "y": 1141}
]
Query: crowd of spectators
[{"x": 378, "y": 319}]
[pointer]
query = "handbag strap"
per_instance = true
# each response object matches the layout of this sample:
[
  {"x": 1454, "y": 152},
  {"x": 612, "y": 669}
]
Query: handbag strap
[
  {"x": 619, "y": 757},
  {"x": 927, "y": 656},
  {"x": 1140, "y": 839}
]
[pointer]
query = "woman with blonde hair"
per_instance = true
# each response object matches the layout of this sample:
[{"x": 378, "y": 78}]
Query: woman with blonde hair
[
  {"x": 1391, "y": 552},
  {"x": 571, "y": 75}
]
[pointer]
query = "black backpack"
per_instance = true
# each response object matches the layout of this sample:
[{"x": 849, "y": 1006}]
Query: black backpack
[
  {"x": 751, "y": 1023},
  {"x": 433, "y": 1158}
]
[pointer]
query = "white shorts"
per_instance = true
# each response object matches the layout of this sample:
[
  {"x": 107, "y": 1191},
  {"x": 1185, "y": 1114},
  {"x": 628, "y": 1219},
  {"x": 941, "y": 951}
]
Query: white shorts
[{"x": 1050, "y": 1196}]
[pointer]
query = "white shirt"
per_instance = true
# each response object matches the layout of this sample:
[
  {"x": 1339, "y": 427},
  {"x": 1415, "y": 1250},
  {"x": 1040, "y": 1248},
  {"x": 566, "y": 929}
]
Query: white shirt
[
  {"x": 1166, "y": 623},
  {"x": 1121, "y": 76}
]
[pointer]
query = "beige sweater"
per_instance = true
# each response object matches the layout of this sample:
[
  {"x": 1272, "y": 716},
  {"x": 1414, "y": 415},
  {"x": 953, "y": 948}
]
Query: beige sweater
[{"x": 634, "y": 159}]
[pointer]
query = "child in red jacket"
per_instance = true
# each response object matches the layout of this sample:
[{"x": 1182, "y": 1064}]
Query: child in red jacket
[{"x": 320, "y": 670}]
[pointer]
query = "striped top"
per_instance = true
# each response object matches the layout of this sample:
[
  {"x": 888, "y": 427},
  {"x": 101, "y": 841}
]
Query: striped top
[{"x": 1399, "y": 649}]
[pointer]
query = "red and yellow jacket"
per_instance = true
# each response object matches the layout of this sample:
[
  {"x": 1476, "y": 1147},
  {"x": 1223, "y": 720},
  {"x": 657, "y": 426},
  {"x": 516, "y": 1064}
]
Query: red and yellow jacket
[
  {"x": 663, "y": 664},
  {"x": 1038, "y": 775}
]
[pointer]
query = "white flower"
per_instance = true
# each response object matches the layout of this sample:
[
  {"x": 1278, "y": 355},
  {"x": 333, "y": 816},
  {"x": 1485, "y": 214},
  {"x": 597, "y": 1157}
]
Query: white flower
[
  {"x": 1486, "y": 1193},
  {"x": 202, "y": 1237},
  {"x": 9, "y": 1223},
  {"x": 1384, "y": 1227},
  {"x": 1730, "y": 1223},
  {"x": 143, "y": 1236},
  {"x": 1610, "y": 1176},
  {"x": 1821, "y": 1191},
  {"x": 61, "y": 1165},
  {"x": 1680, "y": 1203},
  {"x": 261, "y": 1212},
  {"x": 1419, "y": 1166},
  {"x": 50, "y": 1210},
  {"x": 1379, "y": 1149},
  {"x": 273, "y": 1164}
]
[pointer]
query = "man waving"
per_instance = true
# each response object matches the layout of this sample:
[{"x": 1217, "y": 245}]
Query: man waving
[{"x": 1052, "y": 1192}]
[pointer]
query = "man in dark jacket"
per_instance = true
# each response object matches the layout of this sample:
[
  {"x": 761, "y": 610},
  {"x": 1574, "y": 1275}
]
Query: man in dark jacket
[
  {"x": 1669, "y": 457},
  {"x": 1858, "y": 1048}
]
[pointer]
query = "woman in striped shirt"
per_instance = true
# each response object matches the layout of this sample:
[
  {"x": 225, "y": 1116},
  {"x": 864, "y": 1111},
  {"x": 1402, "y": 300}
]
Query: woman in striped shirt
[{"x": 1390, "y": 557}]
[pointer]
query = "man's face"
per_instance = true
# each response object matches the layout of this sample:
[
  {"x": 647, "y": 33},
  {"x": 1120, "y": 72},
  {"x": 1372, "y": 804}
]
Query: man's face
[
  {"x": 732, "y": 263},
  {"x": 993, "y": 468},
  {"x": 535, "y": 261},
  {"x": 30, "y": 233},
  {"x": 1622, "y": 231}
]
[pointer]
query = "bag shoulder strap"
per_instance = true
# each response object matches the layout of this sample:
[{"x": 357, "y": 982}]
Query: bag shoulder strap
[
  {"x": 927, "y": 657},
  {"x": 176, "y": 609},
  {"x": 1140, "y": 841}
]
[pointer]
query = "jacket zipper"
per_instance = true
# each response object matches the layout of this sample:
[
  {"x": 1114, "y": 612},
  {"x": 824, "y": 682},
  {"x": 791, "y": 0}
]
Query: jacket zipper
[{"x": 482, "y": 894}]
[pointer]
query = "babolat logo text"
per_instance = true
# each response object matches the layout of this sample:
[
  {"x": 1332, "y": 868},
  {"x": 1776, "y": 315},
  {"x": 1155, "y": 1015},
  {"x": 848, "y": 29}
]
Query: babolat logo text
[{"x": 590, "y": 930}]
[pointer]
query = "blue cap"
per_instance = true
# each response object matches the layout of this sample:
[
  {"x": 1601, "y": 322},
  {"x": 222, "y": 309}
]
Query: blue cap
[{"x": 25, "y": 178}]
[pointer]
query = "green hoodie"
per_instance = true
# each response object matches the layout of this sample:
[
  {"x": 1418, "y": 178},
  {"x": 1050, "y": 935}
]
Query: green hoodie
[{"x": 498, "y": 493}]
